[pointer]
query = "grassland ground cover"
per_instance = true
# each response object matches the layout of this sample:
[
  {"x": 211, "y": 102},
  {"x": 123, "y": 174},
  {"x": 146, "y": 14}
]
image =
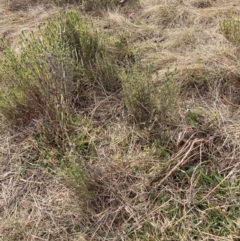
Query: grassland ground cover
[{"x": 120, "y": 120}]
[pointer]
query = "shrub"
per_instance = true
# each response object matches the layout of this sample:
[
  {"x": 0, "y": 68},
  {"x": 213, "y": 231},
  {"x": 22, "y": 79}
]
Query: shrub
[
  {"x": 36, "y": 83},
  {"x": 43, "y": 83},
  {"x": 54, "y": 70},
  {"x": 40, "y": 85},
  {"x": 167, "y": 94},
  {"x": 149, "y": 98},
  {"x": 137, "y": 95},
  {"x": 231, "y": 29}
]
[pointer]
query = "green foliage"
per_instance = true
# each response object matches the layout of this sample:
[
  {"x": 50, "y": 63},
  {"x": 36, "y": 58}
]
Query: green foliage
[
  {"x": 149, "y": 98},
  {"x": 193, "y": 118},
  {"x": 36, "y": 83},
  {"x": 138, "y": 95},
  {"x": 73, "y": 171},
  {"x": 230, "y": 27},
  {"x": 64, "y": 148},
  {"x": 55, "y": 69},
  {"x": 167, "y": 92},
  {"x": 43, "y": 82}
]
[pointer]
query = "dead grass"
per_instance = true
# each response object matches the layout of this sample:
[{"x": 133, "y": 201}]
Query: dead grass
[
  {"x": 202, "y": 3},
  {"x": 162, "y": 15},
  {"x": 34, "y": 205},
  {"x": 23, "y": 5},
  {"x": 13, "y": 23},
  {"x": 173, "y": 180}
]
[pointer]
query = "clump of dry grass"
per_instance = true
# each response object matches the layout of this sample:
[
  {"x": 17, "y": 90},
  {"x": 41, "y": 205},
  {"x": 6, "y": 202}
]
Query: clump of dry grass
[
  {"x": 99, "y": 7},
  {"x": 23, "y": 5},
  {"x": 33, "y": 203},
  {"x": 36, "y": 206},
  {"x": 202, "y": 3},
  {"x": 162, "y": 15},
  {"x": 179, "y": 39},
  {"x": 138, "y": 182}
]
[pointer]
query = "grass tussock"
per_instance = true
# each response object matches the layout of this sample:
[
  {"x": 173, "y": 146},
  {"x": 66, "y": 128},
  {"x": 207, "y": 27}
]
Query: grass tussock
[
  {"x": 120, "y": 121},
  {"x": 23, "y": 5},
  {"x": 163, "y": 15},
  {"x": 202, "y": 3}
]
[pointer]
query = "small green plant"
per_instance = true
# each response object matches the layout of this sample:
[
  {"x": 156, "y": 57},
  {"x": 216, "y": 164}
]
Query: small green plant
[
  {"x": 137, "y": 95},
  {"x": 73, "y": 172},
  {"x": 149, "y": 98},
  {"x": 193, "y": 118},
  {"x": 167, "y": 94},
  {"x": 230, "y": 27}
]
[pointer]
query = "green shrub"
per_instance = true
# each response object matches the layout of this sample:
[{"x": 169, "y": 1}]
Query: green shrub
[
  {"x": 166, "y": 97},
  {"x": 138, "y": 95},
  {"x": 36, "y": 83},
  {"x": 54, "y": 69},
  {"x": 231, "y": 29},
  {"x": 148, "y": 98},
  {"x": 42, "y": 83}
]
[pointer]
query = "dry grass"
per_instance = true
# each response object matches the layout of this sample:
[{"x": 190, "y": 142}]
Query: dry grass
[
  {"x": 26, "y": 20},
  {"x": 34, "y": 205},
  {"x": 23, "y": 5},
  {"x": 176, "y": 179},
  {"x": 161, "y": 15}
]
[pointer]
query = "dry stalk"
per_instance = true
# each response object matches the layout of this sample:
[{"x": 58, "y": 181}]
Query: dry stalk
[{"x": 185, "y": 153}]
